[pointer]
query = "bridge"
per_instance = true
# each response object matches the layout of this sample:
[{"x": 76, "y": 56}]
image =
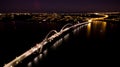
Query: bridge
[{"x": 52, "y": 35}]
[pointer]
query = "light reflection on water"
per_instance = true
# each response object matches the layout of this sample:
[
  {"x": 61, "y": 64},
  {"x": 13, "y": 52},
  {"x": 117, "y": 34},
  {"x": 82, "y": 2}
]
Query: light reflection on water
[
  {"x": 96, "y": 28},
  {"x": 88, "y": 29},
  {"x": 29, "y": 64},
  {"x": 103, "y": 27},
  {"x": 36, "y": 60},
  {"x": 57, "y": 44},
  {"x": 45, "y": 52},
  {"x": 40, "y": 56},
  {"x": 66, "y": 37}
]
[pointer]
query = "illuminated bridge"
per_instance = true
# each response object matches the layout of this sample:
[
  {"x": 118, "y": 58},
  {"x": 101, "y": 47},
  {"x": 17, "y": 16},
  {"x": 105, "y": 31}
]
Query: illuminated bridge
[{"x": 42, "y": 47}]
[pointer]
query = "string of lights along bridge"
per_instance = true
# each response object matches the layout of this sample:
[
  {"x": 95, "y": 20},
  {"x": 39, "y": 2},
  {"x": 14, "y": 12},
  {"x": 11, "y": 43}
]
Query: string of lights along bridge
[{"x": 47, "y": 39}]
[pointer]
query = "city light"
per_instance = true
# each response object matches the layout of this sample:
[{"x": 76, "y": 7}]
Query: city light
[
  {"x": 96, "y": 13},
  {"x": 90, "y": 20}
]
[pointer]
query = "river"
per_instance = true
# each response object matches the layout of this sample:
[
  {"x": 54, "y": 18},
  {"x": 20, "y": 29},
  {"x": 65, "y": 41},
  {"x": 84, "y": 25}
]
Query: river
[
  {"x": 93, "y": 45},
  {"x": 90, "y": 44}
]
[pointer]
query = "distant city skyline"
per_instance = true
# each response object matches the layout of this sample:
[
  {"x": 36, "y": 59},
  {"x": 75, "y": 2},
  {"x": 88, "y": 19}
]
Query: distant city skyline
[{"x": 58, "y": 5}]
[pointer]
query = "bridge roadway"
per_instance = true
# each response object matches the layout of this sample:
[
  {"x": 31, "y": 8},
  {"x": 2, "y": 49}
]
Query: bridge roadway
[{"x": 40, "y": 45}]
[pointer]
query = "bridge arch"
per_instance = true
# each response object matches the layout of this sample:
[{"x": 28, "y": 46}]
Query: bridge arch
[
  {"x": 52, "y": 32},
  {"x": 65, "y": 26}
]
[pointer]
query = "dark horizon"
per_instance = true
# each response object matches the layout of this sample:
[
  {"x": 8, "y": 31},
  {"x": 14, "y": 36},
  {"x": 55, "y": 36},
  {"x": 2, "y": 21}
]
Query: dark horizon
[
  {"x": 8, "y": 6},
  {"x": 60, "y": 11}
]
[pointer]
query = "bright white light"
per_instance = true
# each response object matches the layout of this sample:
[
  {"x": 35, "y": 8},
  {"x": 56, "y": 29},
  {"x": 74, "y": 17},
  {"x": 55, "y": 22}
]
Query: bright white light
[
  {"x": 106, "y": 16},
  {"x": 96, "y": 13},
  {"x": 90, "y": 20}
]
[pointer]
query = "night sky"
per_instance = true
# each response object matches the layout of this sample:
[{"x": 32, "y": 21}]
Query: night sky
[{"x": 58, "y": 5}]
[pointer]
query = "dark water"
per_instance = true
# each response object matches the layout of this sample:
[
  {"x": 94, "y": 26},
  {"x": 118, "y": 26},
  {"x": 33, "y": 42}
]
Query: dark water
[
  {"x": 94, "y": 45},
  {"x": 17, "y": 37},
  {"x": 90, "y": 45}
]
